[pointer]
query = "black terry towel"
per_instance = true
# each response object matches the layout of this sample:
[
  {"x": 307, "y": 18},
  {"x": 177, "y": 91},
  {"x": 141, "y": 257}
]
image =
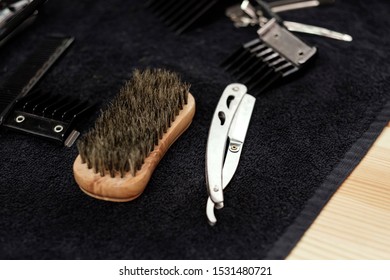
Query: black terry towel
[{"x": 304, "y": 139}]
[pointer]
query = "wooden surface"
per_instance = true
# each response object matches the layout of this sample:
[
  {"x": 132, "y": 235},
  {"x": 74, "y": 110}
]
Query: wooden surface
[{"x": 355, "y": 224}]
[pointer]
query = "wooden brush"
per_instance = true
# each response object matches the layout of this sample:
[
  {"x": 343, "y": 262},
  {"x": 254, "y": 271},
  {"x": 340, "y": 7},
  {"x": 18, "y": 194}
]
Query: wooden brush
[{"x": 118, "y": 156}]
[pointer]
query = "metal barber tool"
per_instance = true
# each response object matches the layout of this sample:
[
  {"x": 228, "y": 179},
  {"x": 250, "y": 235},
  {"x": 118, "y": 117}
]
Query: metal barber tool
[
  {"x": 274, "y": 55},
  {"x": 25, "y": 108},
  {"x": 258, "y": 13},
  {"x": 225, "y": 141}
]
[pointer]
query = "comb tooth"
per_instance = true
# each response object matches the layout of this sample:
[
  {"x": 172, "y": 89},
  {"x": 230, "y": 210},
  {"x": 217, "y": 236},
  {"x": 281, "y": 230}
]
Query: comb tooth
[
  {"x": 258, "y": 75},
  {"x": 265, "y": 52},
  {"x": 257, "y": 48},
  {"x": 59, "y": 111},
  {"x": 232, "y": 57},
  {"x": 185, "y": 11},
  {"x": 258, "y": 71},
  {"x": 260, "y": 79},
  {"x": 257, "y": 65},
  {"x": 283, "y": 66},
  {"x": 271, "y": 57},
  {"x": 48, "y": 110},
  {"x": 27, "y": 103},
  {"x": 185, "y": 23},
  {"x": 252, "y": 44},
  {"x": 238, "y": 60},
  {"x": 42, "y": 103},
  {"x": 157, "y": 5},
  {"x": 289, "y": 70},
  {"x": 30, "y": 104},
  {"x": 259, "y": 88},
  {"x": 276, "y": 62},
  {"x": 164, "y": 7},
  {"x": 72, "y": 112},
  {"x": 180, "y": 15},
  {"x": 244, "y": 64},
  {"x": 82, "y": 110},
  {"x": 179, "y": 11}
]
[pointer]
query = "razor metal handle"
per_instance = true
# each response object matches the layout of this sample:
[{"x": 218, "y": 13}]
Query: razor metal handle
[{"x": 216, "y": 148}]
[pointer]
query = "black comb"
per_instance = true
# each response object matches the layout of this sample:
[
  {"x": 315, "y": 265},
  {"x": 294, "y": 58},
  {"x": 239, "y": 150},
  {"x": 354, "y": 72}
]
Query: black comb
[
  {"x": 276, "y": 54},
  {"x": 24, "y": 108},
  {"x": 30, "y": 72},
  {"x": 50, "y": 116},
  {"x": 180, "y": 15}
]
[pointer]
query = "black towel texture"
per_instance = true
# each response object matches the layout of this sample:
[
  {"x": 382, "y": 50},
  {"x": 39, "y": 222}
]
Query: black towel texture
[{"x": 305, "y": 136}]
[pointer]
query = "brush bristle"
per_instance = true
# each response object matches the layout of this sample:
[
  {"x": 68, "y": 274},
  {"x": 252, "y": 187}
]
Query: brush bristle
[{"x": 128, "y": 130}]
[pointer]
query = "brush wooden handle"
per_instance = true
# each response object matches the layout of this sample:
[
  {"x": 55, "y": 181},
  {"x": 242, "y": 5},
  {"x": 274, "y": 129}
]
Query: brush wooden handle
[{"x": 130, "y": 187}]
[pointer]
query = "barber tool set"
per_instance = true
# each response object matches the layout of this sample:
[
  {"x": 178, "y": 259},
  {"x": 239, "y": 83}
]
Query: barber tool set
[
  {"x": 258, "y": 64},
  {"x": 118, "y": 155}
]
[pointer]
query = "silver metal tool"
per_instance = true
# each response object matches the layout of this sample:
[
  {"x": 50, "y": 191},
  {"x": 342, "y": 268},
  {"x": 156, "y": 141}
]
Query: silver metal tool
[
  {"x": 264, "y": 61},
  {"x": 315, "y": 30},
  {"x": 225, "y": 141},
  {"x": 288, "y": 5},
  {"x": 246, "y": 14}
]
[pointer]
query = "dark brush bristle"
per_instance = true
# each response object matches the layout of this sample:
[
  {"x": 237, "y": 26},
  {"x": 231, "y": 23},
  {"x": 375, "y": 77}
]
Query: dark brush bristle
[{"x": 127, "y": 131}]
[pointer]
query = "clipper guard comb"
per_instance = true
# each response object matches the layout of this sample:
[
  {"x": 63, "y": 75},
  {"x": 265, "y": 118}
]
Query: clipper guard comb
[{"x": 276, "y": 54}]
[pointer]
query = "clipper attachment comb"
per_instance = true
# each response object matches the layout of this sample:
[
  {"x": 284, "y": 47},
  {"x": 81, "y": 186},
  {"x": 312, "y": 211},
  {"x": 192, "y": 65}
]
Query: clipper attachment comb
[
  {"x": 49, "y": 116},
  {"x": 182, "y": 15},
  {"x": 276, "y": 54},
  {"x": 30, "y": 72},
  {"x": 25, "y": 109}
]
